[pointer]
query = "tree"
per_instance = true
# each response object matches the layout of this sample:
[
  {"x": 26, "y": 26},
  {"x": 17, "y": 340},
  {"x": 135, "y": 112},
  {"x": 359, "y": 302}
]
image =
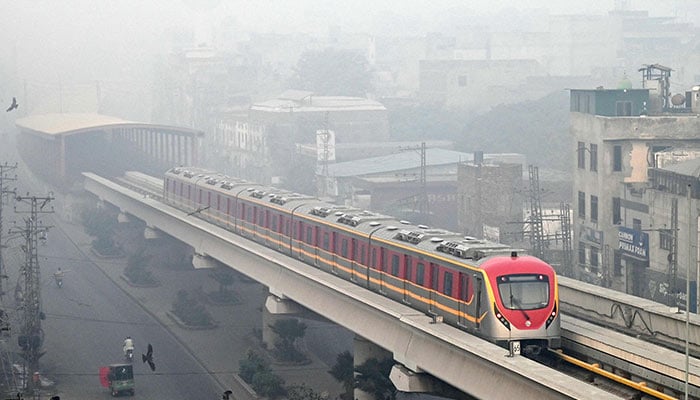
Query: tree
[
  {"x": 303, "y": 392},
  {"x": 343, "y": 371},
  {"x": 268, "y": 384},
  {"x": 136, "y": 269},
  {"x": 288, "y": 330},
  {"x": 337, "y": 72},
  {"x": 101, "y": 224},
  {"x": 190, "y": 310},
  {"x": 373, "y": 377},
  {"x": 225, "y": 278},
  {"x": 253, "y": 364}
]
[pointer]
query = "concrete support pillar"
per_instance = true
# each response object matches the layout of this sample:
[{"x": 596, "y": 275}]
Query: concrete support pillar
[
  {"x": 123, "y": 218},
  {"x": 151, "y": 233},
  {"x": 178, "y": 146},
  {"x": 202, "y": 261},
  {"x": 406, "y": 380},
  {"x": 276, "y": 308},
  {"x": 363, "y": 350}
]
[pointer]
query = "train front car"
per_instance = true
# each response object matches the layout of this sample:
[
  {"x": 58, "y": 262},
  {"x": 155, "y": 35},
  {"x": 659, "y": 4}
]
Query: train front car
[{"x": 524, "y": 303}]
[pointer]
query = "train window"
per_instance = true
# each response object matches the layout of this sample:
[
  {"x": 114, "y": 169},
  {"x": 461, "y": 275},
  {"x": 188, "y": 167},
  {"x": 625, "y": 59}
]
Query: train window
[
  {"x": 309, "y": 234},
  {"x": 524, "y": 292},
  {"x": 189, "y": 192},
  {"x": 420, "y": 273},
  {"x": 447, "y": 284},
  {"x": 325, "y": 240},
  {"x": 274, "y": 224},
  {"x": 344, "y": 248},
  {"x": 395, "y": 265},
  {"x": 354, "y": 250},
  {"x": 362, "y": 254},
  {"x": 373, "y": 261},
  {"x": 465, "y": 287}
]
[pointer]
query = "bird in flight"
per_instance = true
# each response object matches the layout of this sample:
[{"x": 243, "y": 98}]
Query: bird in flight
[
  {"x": 148, "y": 357},
  {"x": 14, "y": 105}
]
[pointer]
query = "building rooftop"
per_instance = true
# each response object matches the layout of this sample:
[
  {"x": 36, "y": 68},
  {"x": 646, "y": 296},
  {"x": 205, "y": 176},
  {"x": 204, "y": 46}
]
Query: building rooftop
[
  {"x": 301, "y": 101},
  {"x": 688, "y": 168},
  {"x": 408, "y": 160},
  {"x": 73, "y": 123}
]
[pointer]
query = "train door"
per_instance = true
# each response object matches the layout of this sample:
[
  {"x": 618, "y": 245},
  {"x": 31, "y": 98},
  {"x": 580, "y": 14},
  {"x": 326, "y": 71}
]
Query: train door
[
  {"x": 353, "y": 258},
  {"x": 228, "y": 211},
  {"x": 241, "y": 218},
  {"x": 335, "y": 247},
  {"x": 478, "y": 286},
  {"x": 434, "y": 282},
  {"x": 382, "y": 268},
  {"x": 464, "y": 298},
  {"x": 316, "y": 245},
  {"x": 407, "y": 276}
]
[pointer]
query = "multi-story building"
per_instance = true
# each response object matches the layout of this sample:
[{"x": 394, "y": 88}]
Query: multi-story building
[
  {"x": 265, "y": 144},
  {"x": 621, "y": 220}
]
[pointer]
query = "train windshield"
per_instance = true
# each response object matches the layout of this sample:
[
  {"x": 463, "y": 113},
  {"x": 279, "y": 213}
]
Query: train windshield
[{"x": 524, "y": 292}]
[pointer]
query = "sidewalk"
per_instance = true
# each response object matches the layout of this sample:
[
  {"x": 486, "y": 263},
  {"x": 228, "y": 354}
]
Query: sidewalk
[{"x": 219, "y": 349}]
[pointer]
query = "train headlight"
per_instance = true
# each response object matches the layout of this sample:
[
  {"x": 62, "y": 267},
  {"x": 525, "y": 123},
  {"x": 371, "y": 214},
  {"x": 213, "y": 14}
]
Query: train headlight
[
  {"x": 552, "y": 316},
  {"x": 500, "y": 317}
]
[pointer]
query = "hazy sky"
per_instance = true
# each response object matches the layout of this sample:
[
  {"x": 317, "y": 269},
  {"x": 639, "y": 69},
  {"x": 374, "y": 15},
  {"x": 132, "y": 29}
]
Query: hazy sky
[{"x": 51, "y": 41}]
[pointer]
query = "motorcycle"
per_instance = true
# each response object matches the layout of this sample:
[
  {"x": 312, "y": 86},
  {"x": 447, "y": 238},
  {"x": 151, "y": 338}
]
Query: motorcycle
[{"x": 129, "y": 355}]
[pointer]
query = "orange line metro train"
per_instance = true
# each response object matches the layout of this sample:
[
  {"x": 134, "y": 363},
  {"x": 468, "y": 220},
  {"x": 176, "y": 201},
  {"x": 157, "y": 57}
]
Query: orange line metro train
[{"x": 482, "y": 287}]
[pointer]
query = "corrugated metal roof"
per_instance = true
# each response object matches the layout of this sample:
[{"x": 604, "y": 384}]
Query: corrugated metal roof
[
  {"x": 688, "y": 168},
  {"x": 55, "y": 124},
  {"x": 69, "y": 123},
  {"x": 310, "y": 103},
  {"x": 397, "y": 162}
]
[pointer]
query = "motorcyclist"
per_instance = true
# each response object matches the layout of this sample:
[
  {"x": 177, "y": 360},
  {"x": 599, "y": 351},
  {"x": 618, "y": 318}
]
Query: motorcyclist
[
  {"x": 58, "y": 276},
  {"x": 128, "y": 346}
]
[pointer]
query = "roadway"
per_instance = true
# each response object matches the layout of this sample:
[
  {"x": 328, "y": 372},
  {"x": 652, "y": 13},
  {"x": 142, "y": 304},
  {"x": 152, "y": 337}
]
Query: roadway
[
  {"x": 86, "y": 322},
  {"x": 89, "y": 317}
]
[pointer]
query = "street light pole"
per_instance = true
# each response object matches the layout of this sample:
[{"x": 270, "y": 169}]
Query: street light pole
[{"x": 687, "y": 296}]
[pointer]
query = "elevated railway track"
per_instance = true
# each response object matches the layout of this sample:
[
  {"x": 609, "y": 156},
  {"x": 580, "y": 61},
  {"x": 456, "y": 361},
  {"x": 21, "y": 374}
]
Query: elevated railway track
[{"x": 629, "y": 365}]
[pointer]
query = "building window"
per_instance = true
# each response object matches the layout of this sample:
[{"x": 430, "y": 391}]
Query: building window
[
  {"x": 637, "y": 224},
  {"x": 462, "y": 80},
  {"x": 581, "y": 255},
  {"x": 617, "y": 264},
  {"x": 617, "y": 158},
  {"x": 595, "y": 254},
  {"x": 616, "y": 211},
  {"x": 665, "y": 239},
  {"x": 594, "y": 208},
  {"x": 581, "y": 151},
  {"x": 582, "y": 204},
  {"x": 594, "y": 157},
  {"x": 623, "y": 108}
]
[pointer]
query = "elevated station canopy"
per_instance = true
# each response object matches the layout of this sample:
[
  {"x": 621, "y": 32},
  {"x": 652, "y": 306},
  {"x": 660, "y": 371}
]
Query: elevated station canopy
[{"x": 66, "y": 124}]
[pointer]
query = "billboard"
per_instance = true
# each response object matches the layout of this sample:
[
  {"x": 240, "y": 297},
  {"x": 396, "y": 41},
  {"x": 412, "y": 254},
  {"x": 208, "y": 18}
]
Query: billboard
[
  {"x": 633, "y": 243},
  {"x": 325, "y": 145}
]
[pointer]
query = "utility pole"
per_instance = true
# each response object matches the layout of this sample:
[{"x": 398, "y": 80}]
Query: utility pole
[
  {"x": 423, "y": 206},
  {"x": 4, "y": 178},
  {"x": 31, "y": 335},
  {"x": 567, "y": 259},
  {"x": 536, "y": 227}
]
